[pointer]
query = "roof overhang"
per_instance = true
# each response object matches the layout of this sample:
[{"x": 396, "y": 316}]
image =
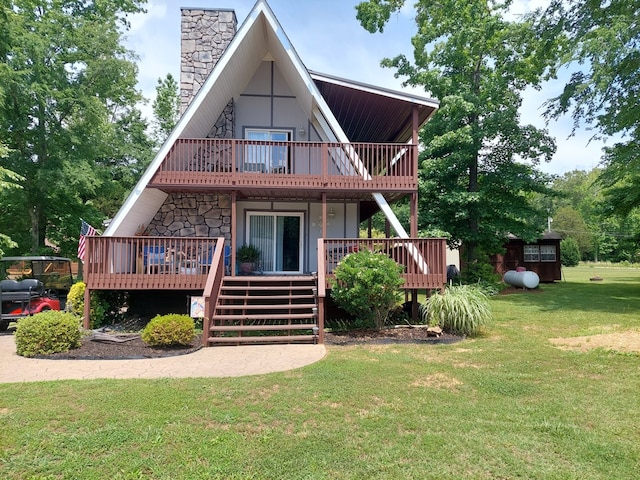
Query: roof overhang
[{"x": 352, "y": 103}]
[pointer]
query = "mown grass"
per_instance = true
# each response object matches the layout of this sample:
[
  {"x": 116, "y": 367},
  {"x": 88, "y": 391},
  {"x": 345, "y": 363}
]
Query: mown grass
[{"x": 504, "y": 405}]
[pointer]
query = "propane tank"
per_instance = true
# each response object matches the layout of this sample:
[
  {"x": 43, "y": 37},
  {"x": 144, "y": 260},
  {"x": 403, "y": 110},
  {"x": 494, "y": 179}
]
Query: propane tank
[{"x": 526, "y": 279}]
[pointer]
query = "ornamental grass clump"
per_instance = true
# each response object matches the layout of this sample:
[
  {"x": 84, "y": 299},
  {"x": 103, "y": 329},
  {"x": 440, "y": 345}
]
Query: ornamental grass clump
[
  {"x": 367, "y": 286},
  {"x": 169, "y": 330},
  {"x": 460, "y": 310},
  {"x": 47, "y": 332}
]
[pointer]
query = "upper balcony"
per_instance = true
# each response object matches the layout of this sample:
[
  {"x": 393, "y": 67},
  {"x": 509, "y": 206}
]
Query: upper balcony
[{"x": 258, "y": 169}]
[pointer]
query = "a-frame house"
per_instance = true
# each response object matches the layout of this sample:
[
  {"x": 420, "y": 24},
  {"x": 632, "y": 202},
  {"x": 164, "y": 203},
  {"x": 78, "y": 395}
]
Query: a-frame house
[{"x": 270, "y": 154}]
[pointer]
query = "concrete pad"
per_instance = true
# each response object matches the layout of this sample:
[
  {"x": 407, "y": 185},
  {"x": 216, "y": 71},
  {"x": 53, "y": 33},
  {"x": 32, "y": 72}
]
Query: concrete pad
[{"x": 228, "y": 361}]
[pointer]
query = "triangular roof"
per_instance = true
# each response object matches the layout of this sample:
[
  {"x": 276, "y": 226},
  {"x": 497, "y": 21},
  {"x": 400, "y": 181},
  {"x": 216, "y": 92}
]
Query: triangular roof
[{"x": 259, "y": 35}]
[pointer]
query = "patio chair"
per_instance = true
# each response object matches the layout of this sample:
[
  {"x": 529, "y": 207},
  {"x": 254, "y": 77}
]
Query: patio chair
[{"x": 154, "y": 258}]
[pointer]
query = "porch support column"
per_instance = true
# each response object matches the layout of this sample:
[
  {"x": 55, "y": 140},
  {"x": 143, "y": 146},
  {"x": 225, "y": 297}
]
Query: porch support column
[
  {"x": 414, "y": 138},
  {"x": 324, "y": 215},
  {"x": 414, "y": 200},
  {"x": 234, "y": 232},
  {"x": 414, "y": 215},
  {"x": 86, "y": 323},
  {"x": 414, "y": 147}
]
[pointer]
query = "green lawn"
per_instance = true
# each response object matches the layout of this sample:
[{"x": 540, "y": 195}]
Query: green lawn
[{"x": 503, "y": 406}]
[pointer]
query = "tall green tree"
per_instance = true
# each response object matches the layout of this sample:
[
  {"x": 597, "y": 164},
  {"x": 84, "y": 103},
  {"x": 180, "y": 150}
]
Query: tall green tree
[
  {"x": 479, "y": 162},
  {"x": 166, "y": 108},
  {"x": 68, "y": 81},
  {"x": 603, "y": 55}
]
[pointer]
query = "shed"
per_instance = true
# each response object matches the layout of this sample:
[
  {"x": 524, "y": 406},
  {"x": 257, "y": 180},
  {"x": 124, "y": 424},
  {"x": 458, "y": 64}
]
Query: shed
[{"x": 542, "y": 256}]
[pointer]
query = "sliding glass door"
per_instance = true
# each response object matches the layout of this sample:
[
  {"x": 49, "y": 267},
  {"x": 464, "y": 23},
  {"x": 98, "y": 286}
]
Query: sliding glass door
[{"x": 278, "y": 235}]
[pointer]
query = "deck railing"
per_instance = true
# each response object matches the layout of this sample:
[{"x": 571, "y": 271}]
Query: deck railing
[
  {"x": 423, "y": 259},
  {"x": 314, "y": 165},
  {"x": 136, "y": 263},
  {"x": 159, "y": 263}
]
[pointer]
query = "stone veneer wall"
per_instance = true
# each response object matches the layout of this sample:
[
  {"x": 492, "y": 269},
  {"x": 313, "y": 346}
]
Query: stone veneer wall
[
  {"x": 205, "y": 34},
  {"x": 223, "y": 128},
  {"x": 193, "y": 215}
]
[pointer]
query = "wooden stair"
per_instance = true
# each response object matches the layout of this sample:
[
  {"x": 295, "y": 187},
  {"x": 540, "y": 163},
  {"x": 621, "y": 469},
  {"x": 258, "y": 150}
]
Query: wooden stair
[{"x": 265, "y": 310}]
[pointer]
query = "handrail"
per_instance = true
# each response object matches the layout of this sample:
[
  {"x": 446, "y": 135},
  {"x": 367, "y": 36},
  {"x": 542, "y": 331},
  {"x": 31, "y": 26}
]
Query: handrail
[
  {"x": 423, "y": 259},
  {"x": 212, "y": 287},
  {"x": 230, "y": 156},
  {"x": 322, "y": 275}
]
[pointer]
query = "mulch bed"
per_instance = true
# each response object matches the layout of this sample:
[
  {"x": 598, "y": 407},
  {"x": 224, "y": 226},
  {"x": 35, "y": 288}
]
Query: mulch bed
[
  {"x": 130, "y": 349},
  {"x": 388, "y": 336},
  {"x": 135, "y": 348}
]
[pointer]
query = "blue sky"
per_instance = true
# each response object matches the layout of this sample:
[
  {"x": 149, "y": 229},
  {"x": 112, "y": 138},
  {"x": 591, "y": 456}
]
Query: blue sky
[{"x": 329, "y": 39}]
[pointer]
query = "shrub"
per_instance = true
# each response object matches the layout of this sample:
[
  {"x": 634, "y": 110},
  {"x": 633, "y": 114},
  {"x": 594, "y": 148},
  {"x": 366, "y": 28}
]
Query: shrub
[
  {"x": 569, "y": 252},
  {"x": 75, "y": 298},
  {"x": 169, "y": 330},
  {"x": 460, "y": 310},
  {"x": 47, "y": 332},
  {"x": 107, "y": 307},
  {"x": 367, "y": 286}
]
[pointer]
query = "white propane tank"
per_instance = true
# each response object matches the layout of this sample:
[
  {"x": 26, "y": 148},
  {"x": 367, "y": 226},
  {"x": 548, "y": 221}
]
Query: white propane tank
[{"x": 524, "y": 279}]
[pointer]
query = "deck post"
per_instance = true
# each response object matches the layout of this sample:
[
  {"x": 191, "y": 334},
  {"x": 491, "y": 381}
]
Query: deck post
[
  {"x": 234, "y": 231},
  {"x": 86, "y": 323}
]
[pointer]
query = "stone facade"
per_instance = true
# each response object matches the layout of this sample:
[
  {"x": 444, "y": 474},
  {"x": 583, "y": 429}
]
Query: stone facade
[
  {"x": 205, "y": 34},
  {"x": 193, "y": 215},
  {"x": 223, "y": 128}
]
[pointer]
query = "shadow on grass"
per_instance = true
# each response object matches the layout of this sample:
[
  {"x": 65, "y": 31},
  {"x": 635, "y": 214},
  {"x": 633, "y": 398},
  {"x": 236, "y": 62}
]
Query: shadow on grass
[{"x": 614, "y": 297}]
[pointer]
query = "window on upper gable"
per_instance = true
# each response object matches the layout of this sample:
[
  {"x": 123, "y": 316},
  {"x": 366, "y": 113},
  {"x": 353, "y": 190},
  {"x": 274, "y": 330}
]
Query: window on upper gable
[{"x": 271, "y": 157}]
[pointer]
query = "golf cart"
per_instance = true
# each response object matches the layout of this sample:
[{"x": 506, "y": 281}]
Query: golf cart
[{"x": 30, "y": 285}]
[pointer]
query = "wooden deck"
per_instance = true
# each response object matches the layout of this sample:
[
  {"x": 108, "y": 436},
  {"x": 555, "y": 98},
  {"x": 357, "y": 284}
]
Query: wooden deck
[
  {"x": 345, "y": 170},
  {"x": 200, "y": 264},
  {"x": 172, "y": 263}
]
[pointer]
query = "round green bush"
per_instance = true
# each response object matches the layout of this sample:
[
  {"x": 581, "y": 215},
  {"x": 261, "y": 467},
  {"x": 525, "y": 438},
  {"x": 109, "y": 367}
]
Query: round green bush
[
  {"x": 47, "y": 332},
  {"x": 169, "y": 330},
  {"x": 460, "y": 310},
  {"x": 75, "y": 298},
  {"x": 367, "y": 286}
]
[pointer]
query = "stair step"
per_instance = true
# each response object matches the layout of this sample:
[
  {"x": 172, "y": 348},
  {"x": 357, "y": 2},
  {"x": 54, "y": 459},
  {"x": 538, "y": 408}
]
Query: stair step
[
  {"x": 262, "y": 317},
  {"x": 263, "y": 339},
  {"x": 256, "y": 328},
  {"x": 279, "y": 306},
  {"x": 265, "y": 297},
  {"x": 263, "y": 288}
]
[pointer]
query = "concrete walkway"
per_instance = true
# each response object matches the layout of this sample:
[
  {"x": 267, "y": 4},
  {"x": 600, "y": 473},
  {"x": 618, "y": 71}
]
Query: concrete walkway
[{"x": 228, "y": 361}]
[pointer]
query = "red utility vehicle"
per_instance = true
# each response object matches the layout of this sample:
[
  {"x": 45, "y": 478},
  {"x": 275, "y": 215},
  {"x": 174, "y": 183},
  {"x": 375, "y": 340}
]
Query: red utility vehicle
[{"x": 31, "y": 285}]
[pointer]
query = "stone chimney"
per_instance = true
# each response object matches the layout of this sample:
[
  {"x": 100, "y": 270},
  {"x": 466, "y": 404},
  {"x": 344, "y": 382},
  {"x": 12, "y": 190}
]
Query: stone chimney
[{"x": 205, "y": 34}]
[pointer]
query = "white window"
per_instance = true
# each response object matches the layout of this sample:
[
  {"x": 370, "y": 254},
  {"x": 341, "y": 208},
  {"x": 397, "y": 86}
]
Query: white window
[
  {"x": 531, "y": 253},
  {"x": 547, "y": 253},
  {"x": 269, "y": 158}
]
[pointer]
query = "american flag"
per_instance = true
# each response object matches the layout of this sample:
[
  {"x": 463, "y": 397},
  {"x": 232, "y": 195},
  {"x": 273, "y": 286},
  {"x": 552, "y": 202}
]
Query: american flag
[{"x": 85, "y": 231}]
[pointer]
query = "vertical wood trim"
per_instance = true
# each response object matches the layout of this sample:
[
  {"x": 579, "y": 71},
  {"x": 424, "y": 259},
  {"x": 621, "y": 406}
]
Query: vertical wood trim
[
  {"x": 234, "y": 231},
  {"x": 87, "y": 309},
  {"x": 414, "y": 215},
  {"x": 324, "y": 215}
]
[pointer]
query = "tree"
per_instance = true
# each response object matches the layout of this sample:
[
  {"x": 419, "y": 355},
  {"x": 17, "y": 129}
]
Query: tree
[
  {"x": 67, "y": 81},
  {"x": 569, "y": 252},
  {"x": 568, "y": 222},
  {"x": 601, "y": 42},
  {"x": 166, "y": 108},
  {"x": 479, "y": 163}
]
